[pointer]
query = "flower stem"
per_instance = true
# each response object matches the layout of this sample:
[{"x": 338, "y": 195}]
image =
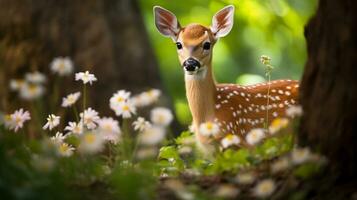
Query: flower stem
[
  {"x": 75, "y": 112},
  {"x": 267, "y": 106},
  {"x": 84, "y": 102}
]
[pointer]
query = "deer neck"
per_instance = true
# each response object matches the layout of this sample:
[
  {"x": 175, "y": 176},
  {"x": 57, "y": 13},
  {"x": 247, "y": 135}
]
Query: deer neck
[{"x": 200, "y": 92}]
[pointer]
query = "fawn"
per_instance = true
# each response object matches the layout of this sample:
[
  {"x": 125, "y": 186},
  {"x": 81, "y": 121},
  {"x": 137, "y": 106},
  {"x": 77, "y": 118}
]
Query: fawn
[{"x": 236, "y": 109}]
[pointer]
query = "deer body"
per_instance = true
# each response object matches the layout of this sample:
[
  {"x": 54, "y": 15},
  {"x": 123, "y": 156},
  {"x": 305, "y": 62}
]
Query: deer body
[{"x": 236, "y": 109}]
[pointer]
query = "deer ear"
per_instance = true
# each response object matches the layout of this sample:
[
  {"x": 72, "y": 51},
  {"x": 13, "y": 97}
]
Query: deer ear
[
  {"x": 166, "y": 22},
  {"x": 222, "y": 21}
]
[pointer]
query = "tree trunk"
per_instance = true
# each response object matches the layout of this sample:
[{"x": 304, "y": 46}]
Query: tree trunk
[
  {"x": 106, "y": 37},
  {"x": 329, "y": 89}
]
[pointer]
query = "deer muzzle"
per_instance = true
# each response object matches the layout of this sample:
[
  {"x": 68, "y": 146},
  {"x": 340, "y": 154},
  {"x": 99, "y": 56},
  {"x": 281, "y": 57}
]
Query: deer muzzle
[{"x": 191, "y": 65}]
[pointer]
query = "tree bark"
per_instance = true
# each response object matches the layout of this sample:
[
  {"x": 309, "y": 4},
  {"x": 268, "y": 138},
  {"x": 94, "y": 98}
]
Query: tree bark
[
  {"x": 329, "y": 88},
  {"x": 106, "y": 37}
]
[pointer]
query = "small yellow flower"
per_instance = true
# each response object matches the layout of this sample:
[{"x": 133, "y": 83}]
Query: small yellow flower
[{"x": 278, "y": 124}]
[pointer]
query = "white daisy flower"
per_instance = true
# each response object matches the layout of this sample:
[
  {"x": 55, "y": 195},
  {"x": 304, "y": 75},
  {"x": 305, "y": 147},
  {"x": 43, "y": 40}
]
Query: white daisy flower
[
  {"x": 52, "y": 122},
  {"x": 255, "y": 136},
  {"x": 146, "y": 98},
  {"x": 86, "y": 77},
  {"x": 245, "y": 178},
  {"x": 58, "y": 138},
  {"x": 17, "y": 84},
  {"x": 264, "y": 188},
  {"x": 35, "y": 77},
  {"x": 278, "y": 124},
  {"x": 280, "y": 165},
  {"x": 16, "y": 120},
  {"x": 62, "y": 66},
  {"x": 30, "y": 91},
  {"x": 125, "y": 109},
  {"x": 294, "y": 111},
  {"x": 65, "y": 149},
  {"x": 226, "y": 191},
  {"x": 152, "y": 135},
  {"x": 183, "y": 150},
  {"x": 230, "y": 140},
  {"x": 90, "y": 143},
  {"x": 161, "y": 116},
  {"x": 148, "y": 152},
  {"x": 70, "y": 99},
  {"x": 90, "y": 118},
  {"x": 141, "y": 124},
  {"x": 300, "y": 155},
  {"x": 118, "y": 98},
  {"x": 109, "y": 128},
  {"x": 74, "y": 128},
  {"x": 209, "y": 129}
]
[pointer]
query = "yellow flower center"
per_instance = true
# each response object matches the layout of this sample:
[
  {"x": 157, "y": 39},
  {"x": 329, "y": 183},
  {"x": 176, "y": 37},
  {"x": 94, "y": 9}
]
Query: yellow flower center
[
  {"x": 266, "y": 187},
  {"x": 120, "y": 99},
  {"x": 64, "y": 148},
  {"x": 209, "y": 125},
  {"x": 89, "y": 138},
  {"x": 107, "y": 127},
  {"x": 61, "y": 65},
  {"x": 7, "y": 118},
  {"x": 279, "y": 122},
  {"x": 229, "y": 137},
  {"x": 18, "y": 119},
  {"x": 126, "y": 108},
  {"x": 32, "y": 89}
]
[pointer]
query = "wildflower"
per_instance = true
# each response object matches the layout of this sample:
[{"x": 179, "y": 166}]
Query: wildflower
[
  {"x": 35, "y": 77},
  {"x": 62, "y": 65},
  {"x": 265, "y": 59},
  {"x": 118, "y": 98},
  {"x": 91, "y": 142},
  {"x": 58, "y": 138},
  {"x": 294, "y": 111},
  {"x": 30, "y": 91},
  {"x": 255, "y": 136},
  {"x": 65, "y": 149},
  {"x": 146, "y": 98},
  {"x": 90, "y": 118},
  {"x": 70, "y": 99},
  {"x": 280, "y": 165},
  {"x": 125, "y": 109},
  {"x": 152, "y": 135},
  {"x": 109, "y": 128},
  {"x": 185, "y": 150},
  {"x": 278, "y": 124},
  {"x": 208, "y": 129},
  {"x": 148, "y": 152},
  {"x": 86, "y": 77},
  {"x": 161, "y": 116},
  {"x": 52, "y": 122},
  {"x": 226, "y": 191},
  {"x": 264, "y": 188},
  {"x": 245, "y": 178},
  {"x": 74, "y": 128},
  {"x": 141, "y": 124},
  {"x": 229, "y": 140},
  {"x": 17, "y": 119},
  {"x": 300, "y": 155},
  {"x": 16, "y": 84},
  {"x": 42, "y": 163}
]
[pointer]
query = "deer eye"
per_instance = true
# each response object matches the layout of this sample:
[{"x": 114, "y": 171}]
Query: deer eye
[
  {"x": 206, "y": 46},
  {"x": 179, "y": 45}
]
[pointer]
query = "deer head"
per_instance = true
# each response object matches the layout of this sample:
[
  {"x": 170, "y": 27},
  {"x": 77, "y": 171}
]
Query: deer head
[{"x": 194, "y": 42}]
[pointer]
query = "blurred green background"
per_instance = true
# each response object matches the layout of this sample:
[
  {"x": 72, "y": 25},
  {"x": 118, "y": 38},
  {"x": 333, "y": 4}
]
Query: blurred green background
[{"x": 261, "y": 27}]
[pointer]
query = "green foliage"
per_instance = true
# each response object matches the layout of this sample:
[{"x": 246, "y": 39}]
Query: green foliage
[{"x": 273, "y": 28}]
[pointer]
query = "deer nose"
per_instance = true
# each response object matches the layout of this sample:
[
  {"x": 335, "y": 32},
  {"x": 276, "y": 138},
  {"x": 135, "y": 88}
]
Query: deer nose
[{"x": 191, "y": 64}]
